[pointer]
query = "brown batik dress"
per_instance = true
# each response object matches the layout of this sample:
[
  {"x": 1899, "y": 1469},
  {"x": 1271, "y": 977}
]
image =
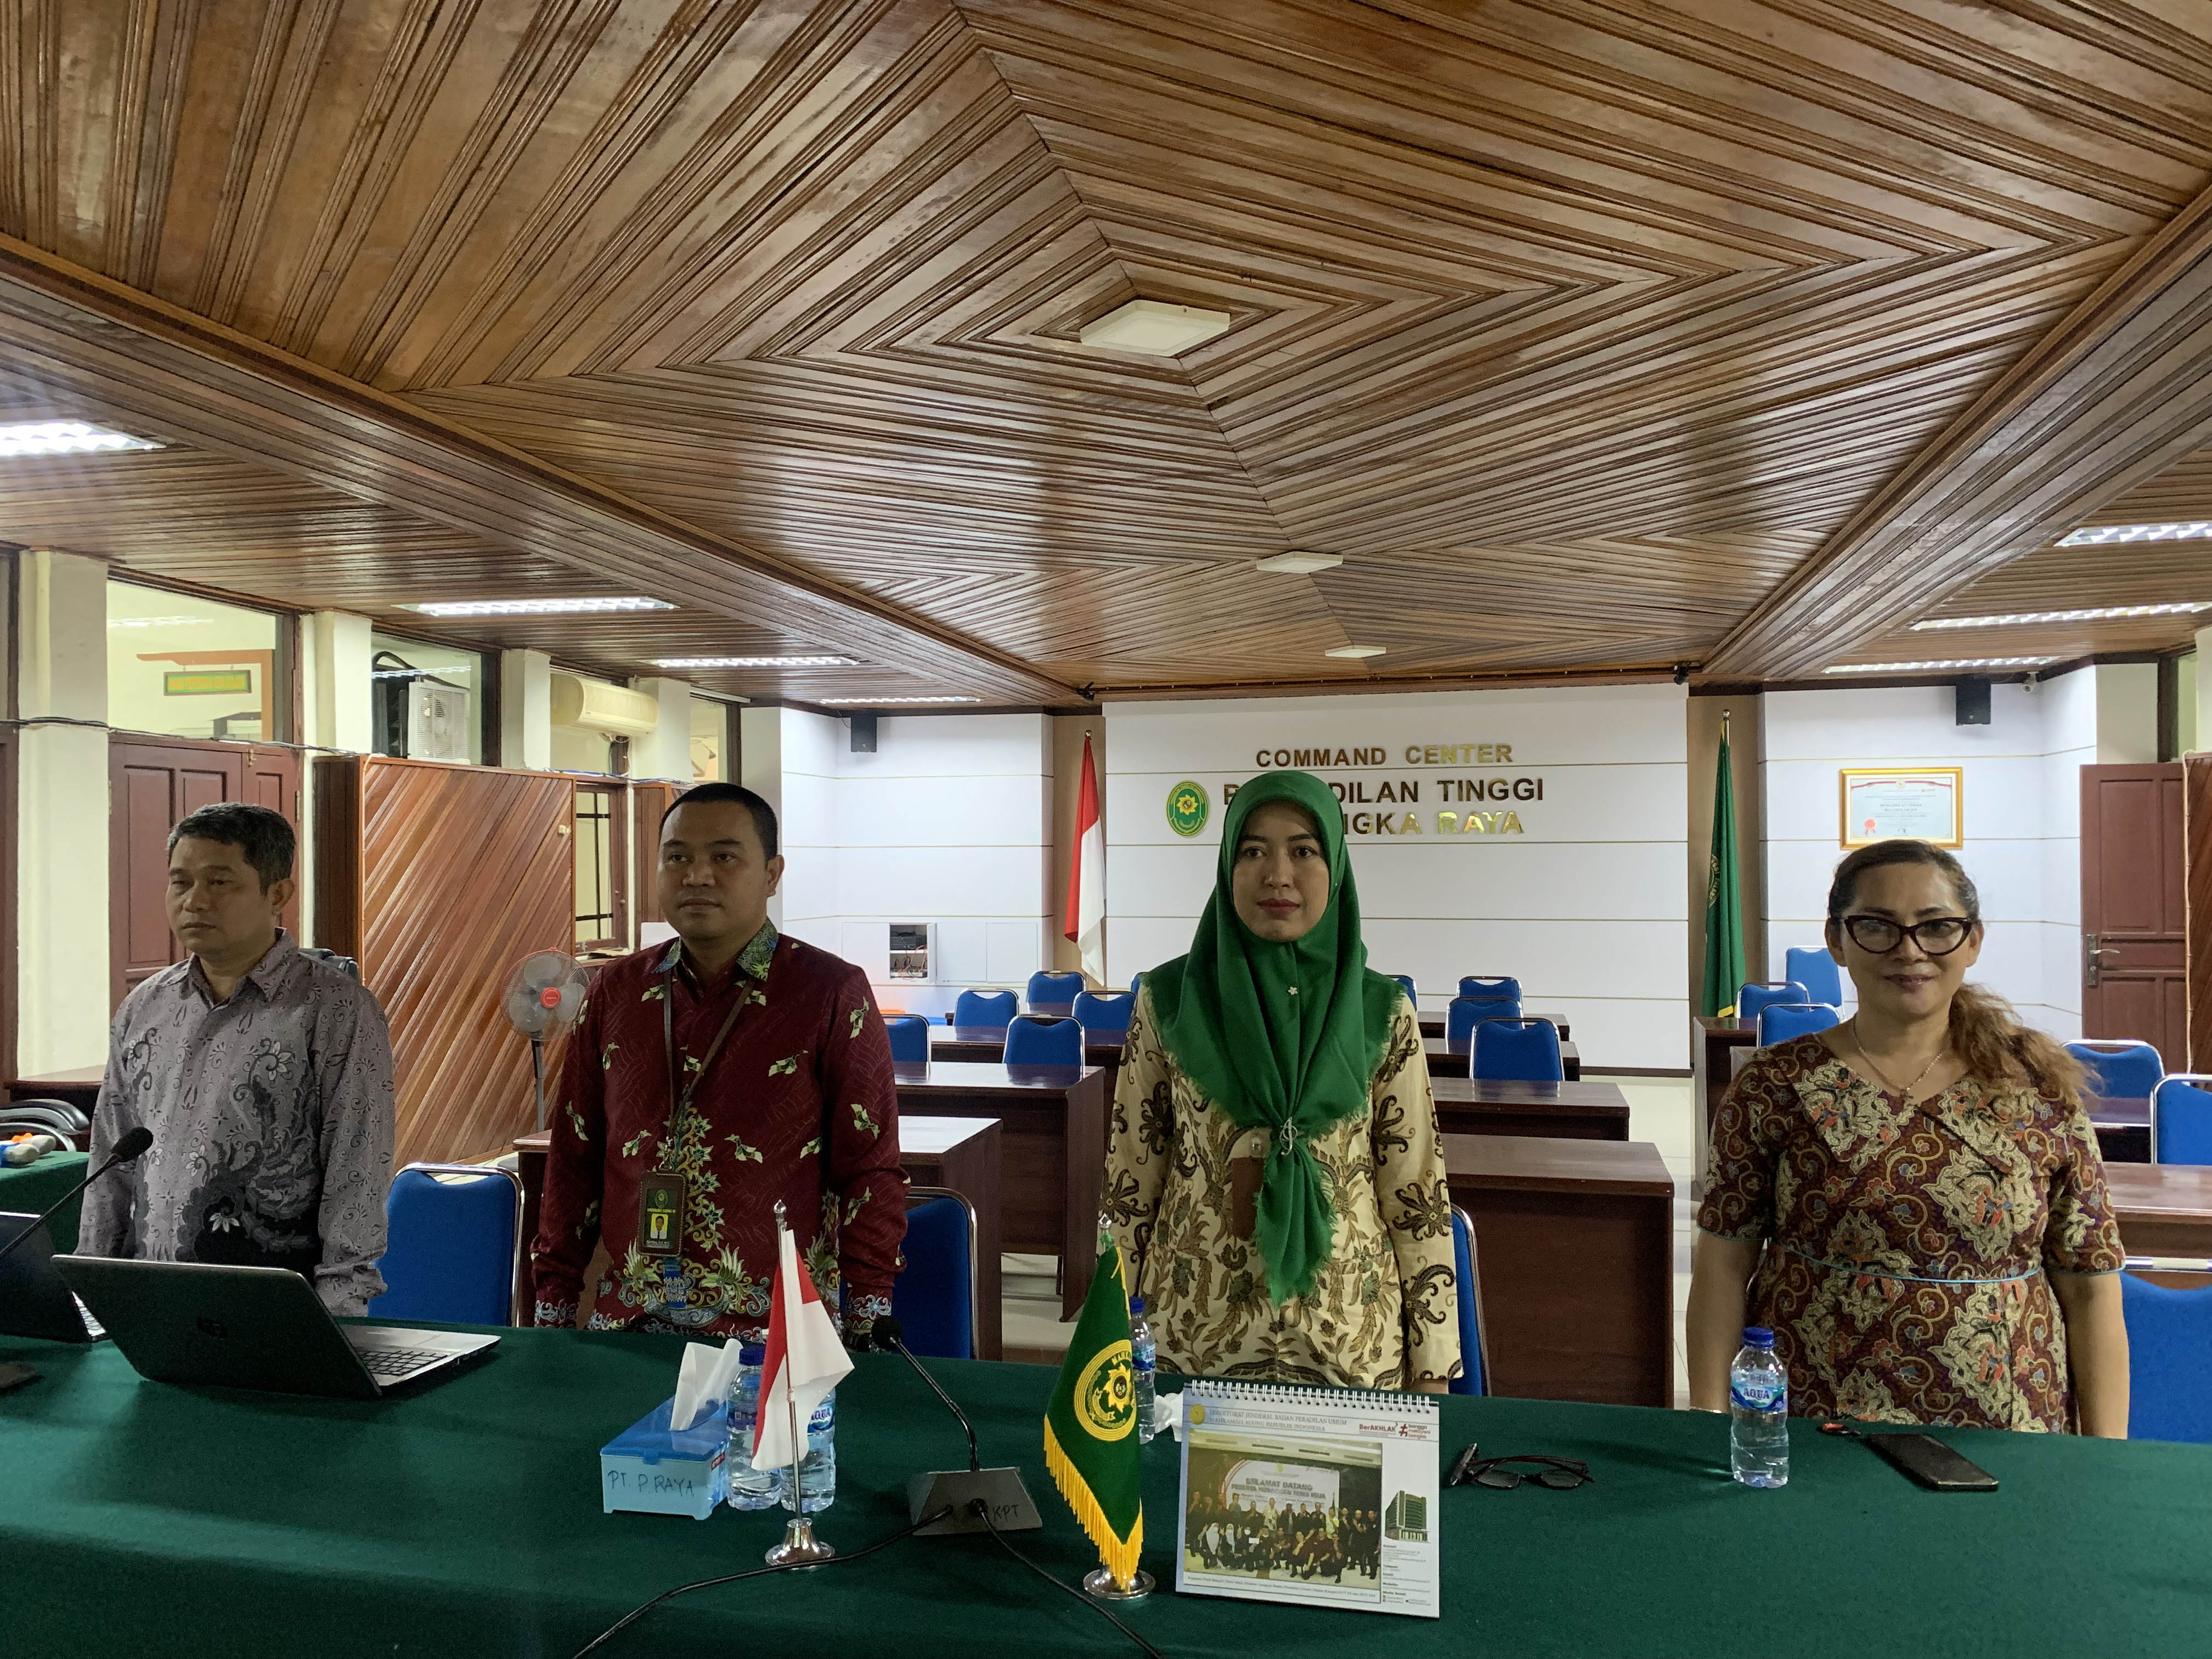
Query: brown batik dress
[{"x": 1908, "y": 1246}]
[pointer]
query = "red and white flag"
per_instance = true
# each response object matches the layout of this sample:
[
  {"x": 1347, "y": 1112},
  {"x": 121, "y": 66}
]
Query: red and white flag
[
  {"x": 1087, "y": 877},
  {"x": 805, "y": 1359}
]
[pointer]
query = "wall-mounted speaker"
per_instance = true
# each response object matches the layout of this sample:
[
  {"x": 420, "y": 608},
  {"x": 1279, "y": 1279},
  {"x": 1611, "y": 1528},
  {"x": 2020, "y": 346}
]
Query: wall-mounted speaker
[
  {"x": 863, "y": 733},
  {"x": 1972, "y": 702}
]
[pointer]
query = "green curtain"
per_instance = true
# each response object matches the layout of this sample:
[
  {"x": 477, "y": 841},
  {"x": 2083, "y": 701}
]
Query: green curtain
[{"x": 1724, "y": 899}]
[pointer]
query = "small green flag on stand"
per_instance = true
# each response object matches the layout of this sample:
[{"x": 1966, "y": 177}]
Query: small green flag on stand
[
  {"x": 1724, "y": 904},
  {"x": 1090, "y": 1427}
]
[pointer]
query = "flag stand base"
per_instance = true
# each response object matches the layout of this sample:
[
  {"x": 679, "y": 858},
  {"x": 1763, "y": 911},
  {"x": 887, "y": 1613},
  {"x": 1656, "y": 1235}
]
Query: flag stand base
[
  {"x": 1100, "y": 1582},
  {"x": 800, "y": 1547}
]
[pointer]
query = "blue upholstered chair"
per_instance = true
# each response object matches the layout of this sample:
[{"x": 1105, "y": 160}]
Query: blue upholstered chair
[
  {"x": 2181, "y": 1119},
  {"x": 1136, "y": 983},
  {"x": 2169, "y": 1357},
  {"x": 2120, "y": 1068},
  {"x": 983, "y": 1008},
  {"x": 1095, "y": 1013},
  {"x": 1780, "y": 1021},
  {"x": 934, "y": 1295},
  {"x": 1473, "y": 1340},
  {"x": 1053, "y": 987},
  {"x": 451, "y": 1244},
  {"x": 1752, "y": 996},
  {"x": 1526, "y": 1050},
  {"x": 1412, "y": 996},
  {"x": 1044, "y": 1043},
  {"x": 1462, "y": 1014},
  {"x": 909, "y": 1035},
  {"x": 1817, "y": 972},
  {"x": 1474, "y": 986}
]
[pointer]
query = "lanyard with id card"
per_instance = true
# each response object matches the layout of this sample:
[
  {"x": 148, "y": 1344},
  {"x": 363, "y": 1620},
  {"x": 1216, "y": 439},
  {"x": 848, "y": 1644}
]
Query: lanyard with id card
[{"x": 662, "y": 1194}]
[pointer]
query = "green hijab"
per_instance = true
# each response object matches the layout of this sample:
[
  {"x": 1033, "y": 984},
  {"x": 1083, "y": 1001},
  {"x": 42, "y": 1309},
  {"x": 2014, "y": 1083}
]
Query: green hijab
[{"x": 1284, "y": 1038}]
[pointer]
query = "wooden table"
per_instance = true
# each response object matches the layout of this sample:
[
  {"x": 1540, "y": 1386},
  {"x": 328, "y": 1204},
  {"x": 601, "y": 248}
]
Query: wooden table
[
  {"x": 2164, "y": 1209},
  {"x": 987, "y": 1045},
  {"x": 1449, "y": 1059},
  {"x": 2123, "y": 1128},
  {"x": 1575, "y": 1240},
  {"x": 1591, "y": 1109},
  {"x": 1435, "y": 1025},
  {"x": 960, "y": 1154}
]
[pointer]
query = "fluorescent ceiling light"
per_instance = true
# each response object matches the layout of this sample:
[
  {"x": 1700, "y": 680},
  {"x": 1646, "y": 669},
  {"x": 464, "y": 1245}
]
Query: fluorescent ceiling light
[
  {"x": 878, "y": 702},
  {"x": 64, "y": 438},
  {"x": 2094, "y": 613},
  {"x": 1945, "y": 662},
  {"x": 1155, "y": 328},
  {"x": 820, "y": 661},
  {"x": 1357, "y": 651},
  {"x": 160, "y": 621},
  {"x": 1299, "y": 564},
  {"x": 533, "y": 607},
  {"x": 2194, "y": 530}
]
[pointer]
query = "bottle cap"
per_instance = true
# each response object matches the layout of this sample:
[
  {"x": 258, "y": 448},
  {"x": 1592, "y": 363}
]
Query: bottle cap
[
  {"x": 1137, "y": 1305},
  {"x": 753, "y": 1353},
  {"x": 1758, "y": 1336}
]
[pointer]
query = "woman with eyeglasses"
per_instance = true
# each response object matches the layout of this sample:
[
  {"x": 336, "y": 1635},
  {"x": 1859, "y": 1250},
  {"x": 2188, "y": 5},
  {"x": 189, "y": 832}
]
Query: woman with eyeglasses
[{"x": 1913, "y": 1200}]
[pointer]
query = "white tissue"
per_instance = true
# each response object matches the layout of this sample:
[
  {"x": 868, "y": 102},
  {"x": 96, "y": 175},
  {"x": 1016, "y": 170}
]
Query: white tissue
[
  {"x": 704, "y": 1380},
  {"x": 1167, "y": 1415}
]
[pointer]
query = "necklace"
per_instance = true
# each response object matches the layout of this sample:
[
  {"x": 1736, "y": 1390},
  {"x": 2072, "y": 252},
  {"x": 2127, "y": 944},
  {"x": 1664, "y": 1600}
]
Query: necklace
[{"x": 1882, "y": 1077}]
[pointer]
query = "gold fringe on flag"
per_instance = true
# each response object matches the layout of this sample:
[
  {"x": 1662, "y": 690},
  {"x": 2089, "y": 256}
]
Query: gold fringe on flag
[{"x": 1118, "y": 1555}]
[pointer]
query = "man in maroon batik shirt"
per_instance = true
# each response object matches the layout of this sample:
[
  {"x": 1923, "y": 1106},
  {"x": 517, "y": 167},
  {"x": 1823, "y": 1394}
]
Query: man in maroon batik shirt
[{"x": 706, "y": 1079}]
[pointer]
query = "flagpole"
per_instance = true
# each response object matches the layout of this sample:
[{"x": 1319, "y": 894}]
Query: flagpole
[{"x": 799, "y": 1544}]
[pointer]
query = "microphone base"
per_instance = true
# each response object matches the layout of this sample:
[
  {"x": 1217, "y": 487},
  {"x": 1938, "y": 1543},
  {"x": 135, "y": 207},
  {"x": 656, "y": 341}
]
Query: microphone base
[{"x": 1001, "y": 1488}]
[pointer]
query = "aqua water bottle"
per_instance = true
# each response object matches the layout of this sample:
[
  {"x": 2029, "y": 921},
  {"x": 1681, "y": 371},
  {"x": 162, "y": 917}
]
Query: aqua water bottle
[
  {"x": 1144, "y": 1360},
  {"x": 750, "y": 1488},
  {"x": 817, "y": 1470},
  {"x": 1758, "y": 1412}
]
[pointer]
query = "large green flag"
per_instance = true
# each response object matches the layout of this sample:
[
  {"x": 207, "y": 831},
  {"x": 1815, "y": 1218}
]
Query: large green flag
[
  {"x": 1091, "y": 1426},
  {"x": 1724, "y": 904}
]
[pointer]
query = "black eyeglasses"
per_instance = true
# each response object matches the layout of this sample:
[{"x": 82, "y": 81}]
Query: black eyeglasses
[
  {"x": 1938, "y": 936},
  {"x": 1561, "y": 1473}
]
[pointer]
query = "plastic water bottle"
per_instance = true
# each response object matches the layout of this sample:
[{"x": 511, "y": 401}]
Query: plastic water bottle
[
  {"x": 817, "y": 1470},
  {"x": 750, "y": 1488},
  {"x": 1144, "y": 1358},
  {"x": 1758, "y": 1412}
]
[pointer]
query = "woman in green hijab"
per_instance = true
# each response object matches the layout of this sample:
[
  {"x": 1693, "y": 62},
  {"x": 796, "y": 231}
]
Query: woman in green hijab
[{"x": 1275, "y": 1171}]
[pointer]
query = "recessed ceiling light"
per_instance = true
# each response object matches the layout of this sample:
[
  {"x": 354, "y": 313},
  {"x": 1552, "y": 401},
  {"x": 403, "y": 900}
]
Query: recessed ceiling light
[
  {"x": 1357, "y": 651},
  {"x": 160, "y": 621},
  {"x": 1945, "y": 662},
  {"x": 1155, "y": 328},
  {"x": 533, "y": 607},
  {"x": 2095, "y": 613},
  {"x": 64, "y": 438},
  {"x": 2193, "y": 530},
  {"x": 1299, "y": 564},
  {"x": 878, "y": 702},
  {"x": 817, "y": 661}
]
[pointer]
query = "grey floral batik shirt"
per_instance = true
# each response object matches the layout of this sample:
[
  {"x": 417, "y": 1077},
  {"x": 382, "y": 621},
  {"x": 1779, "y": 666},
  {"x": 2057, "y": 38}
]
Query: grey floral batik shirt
[{"x": 271, "y": 1116}]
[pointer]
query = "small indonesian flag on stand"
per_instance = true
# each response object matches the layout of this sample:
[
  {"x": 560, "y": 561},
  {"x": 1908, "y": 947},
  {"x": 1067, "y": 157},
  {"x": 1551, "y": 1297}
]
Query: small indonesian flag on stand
[
  {"x": 1090, "y": 1444},
  {"x": 1087, "y": 877},
  {"x": 805, "y": 1359}
]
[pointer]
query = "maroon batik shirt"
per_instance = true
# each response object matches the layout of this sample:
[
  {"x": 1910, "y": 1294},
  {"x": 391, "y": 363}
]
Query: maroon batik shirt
[{"x": 799, "y": 1106}]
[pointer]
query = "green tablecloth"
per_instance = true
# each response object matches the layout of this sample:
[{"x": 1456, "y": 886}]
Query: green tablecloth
[
  {"x": 30, "y": 1188},
  {"x": 465, "y": 1519}
]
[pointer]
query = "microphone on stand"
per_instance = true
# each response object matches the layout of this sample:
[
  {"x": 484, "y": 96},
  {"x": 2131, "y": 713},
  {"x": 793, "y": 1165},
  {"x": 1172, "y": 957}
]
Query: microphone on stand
[
  {"x": 1000, "y": 1489},
  {"x": 132, "y": 1145}
]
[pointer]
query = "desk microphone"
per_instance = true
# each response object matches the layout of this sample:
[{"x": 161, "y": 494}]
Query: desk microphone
[
  {"x": 1000, "y": 1489},
  {"x": 132, "y": 1145}
]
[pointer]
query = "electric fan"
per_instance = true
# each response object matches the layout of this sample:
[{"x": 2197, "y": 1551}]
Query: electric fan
[{"x": 544, "y": 994}]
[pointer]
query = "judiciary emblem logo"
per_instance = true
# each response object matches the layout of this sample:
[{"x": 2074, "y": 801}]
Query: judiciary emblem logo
[
  {"x": 1188, "y": 808},
  {"x": 1106, "y": 1394}
]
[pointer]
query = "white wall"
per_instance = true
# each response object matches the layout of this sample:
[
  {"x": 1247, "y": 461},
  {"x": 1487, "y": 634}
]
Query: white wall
[
  {"x": 1585, "y": 904},
  {"x": 2023, "y": 813}
]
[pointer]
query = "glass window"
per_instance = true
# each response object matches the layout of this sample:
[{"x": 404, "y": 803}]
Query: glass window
[
  {"x": 426, "y": 702},
  {"x": 181, "y": 666},
  {"x": 711, "y": 750},
  {"x": 600, "y": 921}
]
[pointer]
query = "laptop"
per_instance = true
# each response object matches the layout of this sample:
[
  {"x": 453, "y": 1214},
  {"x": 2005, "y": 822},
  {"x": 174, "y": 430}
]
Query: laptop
[
  {"x": 251, "y": 1327},
  {"x": 33, "y": 1299}
]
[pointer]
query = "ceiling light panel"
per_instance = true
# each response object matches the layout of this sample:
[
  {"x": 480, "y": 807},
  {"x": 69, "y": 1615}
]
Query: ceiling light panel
[
  {"x": 534, "y": 607},
  {"x": 64, "y": 438},
  {"x": 1357, "y": 651},
  {"x": 1945, "y": 662},
  {"x": 885, "y": 702},
  {"x": 2191, "y": 529},
  {"x": 2095, "y": 613},
  {"x": 1155, "y": 328},
  {"x": 1299, "y": 564},
  {"x": 818, "y": 661}
]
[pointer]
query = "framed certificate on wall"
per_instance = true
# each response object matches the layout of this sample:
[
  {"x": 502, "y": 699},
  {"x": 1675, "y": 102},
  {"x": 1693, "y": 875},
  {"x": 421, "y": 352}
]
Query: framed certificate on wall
[{"x": 1924, "y": 803}]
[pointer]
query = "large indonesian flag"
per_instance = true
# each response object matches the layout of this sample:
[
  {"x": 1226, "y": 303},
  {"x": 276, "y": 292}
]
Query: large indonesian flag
[
  {"x": 805, "y": 1358},
  {"x": 1087, "y": 877}
]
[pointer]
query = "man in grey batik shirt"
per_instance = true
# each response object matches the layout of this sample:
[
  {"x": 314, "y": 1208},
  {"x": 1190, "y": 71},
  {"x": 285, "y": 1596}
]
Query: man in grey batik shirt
[{"x": 264, "y": 1075}]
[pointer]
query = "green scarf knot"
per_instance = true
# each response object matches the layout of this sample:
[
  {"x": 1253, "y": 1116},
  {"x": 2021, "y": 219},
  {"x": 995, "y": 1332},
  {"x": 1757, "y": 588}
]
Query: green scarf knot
[{"x": 1281, "y": 1036}]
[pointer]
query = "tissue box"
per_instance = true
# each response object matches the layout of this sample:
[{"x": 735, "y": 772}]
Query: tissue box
[{"x": 651, "y": 1469}]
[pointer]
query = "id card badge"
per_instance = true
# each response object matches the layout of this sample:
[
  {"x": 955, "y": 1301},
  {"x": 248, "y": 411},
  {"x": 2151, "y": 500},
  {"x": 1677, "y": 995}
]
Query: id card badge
[{"x": 660, "y": 1214}]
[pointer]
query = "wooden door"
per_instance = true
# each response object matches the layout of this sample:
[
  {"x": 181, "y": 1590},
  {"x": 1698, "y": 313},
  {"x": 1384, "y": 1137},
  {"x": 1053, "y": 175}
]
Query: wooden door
[
  {"x": 653, "y": 801},
  {"x": 2133, "y": 948},
  {"x": 152, "y": 783}
]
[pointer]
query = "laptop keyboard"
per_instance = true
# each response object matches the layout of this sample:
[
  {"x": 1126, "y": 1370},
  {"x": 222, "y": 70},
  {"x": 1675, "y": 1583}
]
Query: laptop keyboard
[{"x": 398, "y": 1362}]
